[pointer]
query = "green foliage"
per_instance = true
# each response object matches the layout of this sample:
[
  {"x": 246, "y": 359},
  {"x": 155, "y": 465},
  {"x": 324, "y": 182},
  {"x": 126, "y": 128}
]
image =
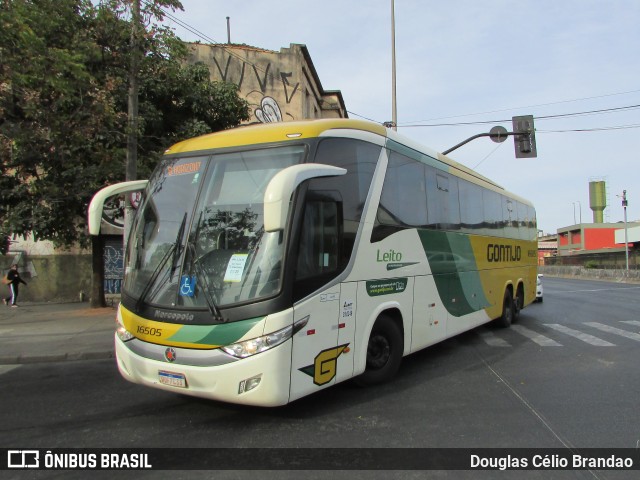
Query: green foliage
[{"x": 63, "y": 107}]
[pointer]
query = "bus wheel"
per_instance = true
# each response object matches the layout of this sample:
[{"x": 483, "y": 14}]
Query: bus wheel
[
  {"x": 384, "y": 352},
  {"x": 508, "y": 310},
  {"x": 519, "y": 303}
]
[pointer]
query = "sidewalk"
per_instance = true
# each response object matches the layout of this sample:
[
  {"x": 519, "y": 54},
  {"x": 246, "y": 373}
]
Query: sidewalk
[{"x": 55, "y": 332}]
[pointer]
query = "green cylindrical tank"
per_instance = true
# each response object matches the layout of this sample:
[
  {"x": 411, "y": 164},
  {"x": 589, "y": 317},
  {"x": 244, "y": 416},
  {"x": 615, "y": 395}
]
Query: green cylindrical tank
[{"x": 598, "y": 200}]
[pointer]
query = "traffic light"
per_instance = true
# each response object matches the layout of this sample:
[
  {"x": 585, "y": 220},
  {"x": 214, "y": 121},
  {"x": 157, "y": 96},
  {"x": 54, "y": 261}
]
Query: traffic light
[{"x": 525, "y": 137}]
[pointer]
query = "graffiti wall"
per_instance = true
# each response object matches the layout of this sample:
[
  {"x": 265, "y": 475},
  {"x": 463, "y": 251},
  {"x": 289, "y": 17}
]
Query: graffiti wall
[
  {"x": 113, "y": 265},
  {"x": 261, "y": 80},
  {"x": 279, "y": 86}
]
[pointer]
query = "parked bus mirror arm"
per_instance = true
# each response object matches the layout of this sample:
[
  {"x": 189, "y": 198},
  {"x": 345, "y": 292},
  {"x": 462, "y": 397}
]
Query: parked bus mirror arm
[
  {"x": 97, "y": 202},
  {"x": 278, "y": 193}
]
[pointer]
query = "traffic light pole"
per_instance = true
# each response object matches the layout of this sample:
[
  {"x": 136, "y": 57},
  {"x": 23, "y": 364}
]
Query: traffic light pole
[
  {"x": 494, "y": 136},
  {"x": 524, "y": 134}
]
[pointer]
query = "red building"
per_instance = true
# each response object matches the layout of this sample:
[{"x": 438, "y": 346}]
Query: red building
[{"x": 590, "y": 238}]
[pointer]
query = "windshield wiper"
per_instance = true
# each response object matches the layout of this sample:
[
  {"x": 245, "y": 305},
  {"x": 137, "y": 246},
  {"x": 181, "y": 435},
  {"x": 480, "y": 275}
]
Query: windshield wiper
[
  {"x": 177, "y": 250},
  {"x": 173, "y": 252},
  {"x": 202, "y": 277}
]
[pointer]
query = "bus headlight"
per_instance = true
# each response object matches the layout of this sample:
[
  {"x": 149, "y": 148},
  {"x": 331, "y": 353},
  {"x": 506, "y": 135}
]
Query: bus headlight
[
  {"x": 260, "y": 344},
  {"x": 123, "y": 334}
]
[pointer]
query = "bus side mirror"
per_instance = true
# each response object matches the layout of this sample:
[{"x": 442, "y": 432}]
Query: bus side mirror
[
  {"x": 277, "y": 196},
  {"x": 97, "y": 202}
]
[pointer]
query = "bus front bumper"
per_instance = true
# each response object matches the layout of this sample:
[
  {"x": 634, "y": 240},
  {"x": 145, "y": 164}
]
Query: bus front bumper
[{"x": 261, "y": 380}]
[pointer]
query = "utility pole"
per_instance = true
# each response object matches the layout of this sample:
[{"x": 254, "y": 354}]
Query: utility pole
[{"x": 132, "y": 114}]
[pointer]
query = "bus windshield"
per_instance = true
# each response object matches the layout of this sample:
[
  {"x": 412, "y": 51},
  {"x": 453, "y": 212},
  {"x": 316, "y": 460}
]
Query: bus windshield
[{"x": 198, "y": 240}]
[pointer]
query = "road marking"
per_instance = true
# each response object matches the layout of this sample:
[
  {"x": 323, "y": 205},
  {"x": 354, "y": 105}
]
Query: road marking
[
  {"x": 6, "y": 330},
  {"x": 7, "y": 368},
  {"x": 491, "y": 339},
  {"x": 585, "y": 337},
  {"x": 535, "y": 337},
  {"x": 529, "y": 406},
  {"x": 632, "y": 322},
  {"x": 595, "y": 290},
  {"x": 614, "y": 330}
]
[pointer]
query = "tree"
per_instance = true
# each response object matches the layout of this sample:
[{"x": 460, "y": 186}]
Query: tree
[{"x": 63, "y": 108}]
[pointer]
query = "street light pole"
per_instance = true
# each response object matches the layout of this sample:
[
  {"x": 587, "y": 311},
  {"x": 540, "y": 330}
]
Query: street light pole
[
  {"x": 626, "y": 241},
  {"x": 132, "y": 115},
  {"x": 574, "y": 211},
  {"x": 394, "y": 110}
]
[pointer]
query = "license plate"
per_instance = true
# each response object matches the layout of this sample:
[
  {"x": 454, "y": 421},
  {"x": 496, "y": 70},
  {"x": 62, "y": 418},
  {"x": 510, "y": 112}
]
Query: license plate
[{"x": 172, "y": 378}]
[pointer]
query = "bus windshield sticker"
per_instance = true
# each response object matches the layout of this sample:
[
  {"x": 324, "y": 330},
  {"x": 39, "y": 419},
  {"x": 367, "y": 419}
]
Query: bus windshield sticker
[
  {"x": 235, "y": 267},
  {"x": 183, "y": 169},
  {"x": 187, "y": 286}
]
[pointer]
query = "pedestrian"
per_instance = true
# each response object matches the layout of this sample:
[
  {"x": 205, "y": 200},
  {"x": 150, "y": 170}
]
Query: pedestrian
[{"x": 14, "y": 281}]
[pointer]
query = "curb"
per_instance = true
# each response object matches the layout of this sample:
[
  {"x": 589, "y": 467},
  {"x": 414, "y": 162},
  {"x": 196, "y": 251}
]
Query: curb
[{"x": 56, "y": 357}]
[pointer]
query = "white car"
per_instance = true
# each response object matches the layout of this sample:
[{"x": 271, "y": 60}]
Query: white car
[{"x": 539, "y": 288}]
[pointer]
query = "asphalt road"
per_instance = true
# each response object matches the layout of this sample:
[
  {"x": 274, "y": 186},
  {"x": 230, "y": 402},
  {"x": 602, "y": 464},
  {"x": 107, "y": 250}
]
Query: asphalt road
[{"x": 564, "y": 376}]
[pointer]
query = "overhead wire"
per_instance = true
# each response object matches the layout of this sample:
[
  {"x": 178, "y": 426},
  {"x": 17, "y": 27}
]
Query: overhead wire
[
  {"x": 412, "y": 124},
  {"x": 528, "y": 106},
  {"x": 542, "y": 117},
  {"x": 595, "y": 129}
]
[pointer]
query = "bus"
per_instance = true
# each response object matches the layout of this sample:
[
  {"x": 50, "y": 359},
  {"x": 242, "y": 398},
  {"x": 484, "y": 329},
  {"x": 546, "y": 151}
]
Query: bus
[{"x": 268, "y": 262}]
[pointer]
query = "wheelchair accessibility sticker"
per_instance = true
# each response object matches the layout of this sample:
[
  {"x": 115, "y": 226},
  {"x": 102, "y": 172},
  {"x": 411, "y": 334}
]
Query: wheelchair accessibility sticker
[{"x": 188, "y": 286}]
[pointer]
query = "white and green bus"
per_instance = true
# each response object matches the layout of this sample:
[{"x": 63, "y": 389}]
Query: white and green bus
[{"x": 268, "y": 262}]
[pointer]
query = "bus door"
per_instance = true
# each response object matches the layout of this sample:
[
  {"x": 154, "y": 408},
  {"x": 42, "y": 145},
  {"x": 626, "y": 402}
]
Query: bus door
[
  {"x": 319, "y": 349},
  {"x": 314, "y": 353}
]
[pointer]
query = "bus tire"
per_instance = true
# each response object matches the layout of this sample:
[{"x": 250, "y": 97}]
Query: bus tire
[
  {"x": 508, "y": 310},
  {"x": 384, "y": 352},
  {"x": 519, "y": 303}
]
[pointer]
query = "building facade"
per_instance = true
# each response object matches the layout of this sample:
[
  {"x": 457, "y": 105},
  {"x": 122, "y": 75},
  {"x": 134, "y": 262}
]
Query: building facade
[{"x": 279, "y": 86}]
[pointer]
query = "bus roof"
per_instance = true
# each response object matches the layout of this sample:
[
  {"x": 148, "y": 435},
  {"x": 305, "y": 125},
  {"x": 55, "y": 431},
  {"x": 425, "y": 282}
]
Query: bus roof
[
  {"x": 257, "y": 133},
  {"x": 272, "y": 132}
]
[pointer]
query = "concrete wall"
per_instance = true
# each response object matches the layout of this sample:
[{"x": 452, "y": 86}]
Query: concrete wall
[
  {"x": 619, "y": 275},
  {"x": 51, "y": 278}
]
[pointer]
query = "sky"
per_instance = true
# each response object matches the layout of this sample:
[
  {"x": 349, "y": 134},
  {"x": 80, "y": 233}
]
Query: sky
[{"x": 572, "y": 64}]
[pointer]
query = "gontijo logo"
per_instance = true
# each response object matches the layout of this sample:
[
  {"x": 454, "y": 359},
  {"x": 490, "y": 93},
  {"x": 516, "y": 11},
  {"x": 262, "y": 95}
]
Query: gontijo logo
[
  {"x": 325, "y": 365},
  {"x": 503, "y": 253}
]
